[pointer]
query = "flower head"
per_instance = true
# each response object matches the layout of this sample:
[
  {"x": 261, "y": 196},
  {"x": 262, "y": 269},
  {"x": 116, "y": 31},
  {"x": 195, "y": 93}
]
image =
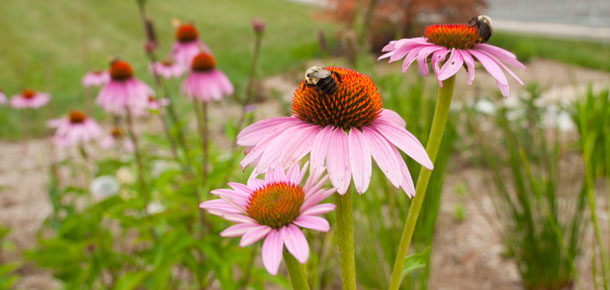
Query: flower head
[
  {"x": 167, "y": 69},
  {"x": 115, "y": 138},
  {"x": 30, "y": 99},
  {"x": 75, "y": 129},
  {"x": 342, "y": 131},
  {"x": 274, "y": 209},
  {"x": 187, "y": 45},
  {"x": 258, "y": 25},
  {"x": 204, "y": 81},
  {"x": 461, "y": 43},
  {"x": 155, "y": 104},
  {"x": 123, "y": 91},
  {"x": 95, "y": 78}
]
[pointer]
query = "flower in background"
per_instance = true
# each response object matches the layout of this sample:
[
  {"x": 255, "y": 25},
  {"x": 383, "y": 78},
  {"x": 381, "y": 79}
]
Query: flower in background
[
  {"x": 187, "y": 45},
  {"x": 167, "y": 69},
  {"x": 461, "y": 43},
  {"x": 76, "y": 129},
  {"x": 342, "y": 130},
  {"x": 2, "y": 97},
  {"x": 274, "y": 209},
  {"x": 258, "y": 25},
  {"x": 104, "y": 186},
  {"x": 155, "y": 104},
  {"x": 30, "y": 99},
  {"x": 116, "y": 138},
  {"x": 95, "y": 78},
  {"x": 204, "y": 82},
  {"x": 124, "y": 91}
]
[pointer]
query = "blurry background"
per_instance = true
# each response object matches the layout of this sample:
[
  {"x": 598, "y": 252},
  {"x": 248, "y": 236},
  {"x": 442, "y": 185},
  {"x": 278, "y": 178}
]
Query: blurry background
[{"x": 539, "y": 151}]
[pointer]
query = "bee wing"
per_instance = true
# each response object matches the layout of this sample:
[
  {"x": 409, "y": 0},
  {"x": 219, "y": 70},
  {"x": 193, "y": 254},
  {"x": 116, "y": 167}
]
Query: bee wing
[{"x": 320, "y": 74}]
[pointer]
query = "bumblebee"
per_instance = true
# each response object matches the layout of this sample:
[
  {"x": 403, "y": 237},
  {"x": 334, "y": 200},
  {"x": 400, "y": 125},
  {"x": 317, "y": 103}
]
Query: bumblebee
[
  {"x": 322, "y": 79},
  {"x": 483, "y": 25}
]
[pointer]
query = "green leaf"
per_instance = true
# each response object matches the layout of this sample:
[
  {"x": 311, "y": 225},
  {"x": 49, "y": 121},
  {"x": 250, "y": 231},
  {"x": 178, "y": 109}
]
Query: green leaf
[
  {"x": 415, "y": 262},
  {"x": 130, "y": 281}
]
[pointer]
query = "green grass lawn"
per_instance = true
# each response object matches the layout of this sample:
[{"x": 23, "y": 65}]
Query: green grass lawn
[
  {"x": 49, "y": 45},
  {"x": 591, "y": 54}
]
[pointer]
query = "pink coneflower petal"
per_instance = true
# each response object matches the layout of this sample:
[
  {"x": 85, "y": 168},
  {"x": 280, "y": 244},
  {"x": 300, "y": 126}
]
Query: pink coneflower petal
[
  {"x": 272, "y": 251},
  {"x": 295, "y": 242},
  {"x": 360, "y": 160},
  {"x": 463, "y": 43},
  {"x": 254, "y": 235},
  {"x": 272, "y": 209},
  {"x": 322, "y": 130},
  {"x": 337, "y": 158},
  {"x": 452, "y": 65},
  {"x": 76, "y": 129},
  {"x": 313, "y": 223}
]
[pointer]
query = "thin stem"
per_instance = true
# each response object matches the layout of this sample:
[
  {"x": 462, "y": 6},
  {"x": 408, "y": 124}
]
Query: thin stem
[
  {"x": 439, "y": 121},
  {"x": 345, "y": 239},
  {"x": 250, "y": 85},
  {"x": 139, "y": 163},
  {"x": 200, "y": 126},
  {"x": 296, "y": 271},
  {"x": 206, "y": 138}
]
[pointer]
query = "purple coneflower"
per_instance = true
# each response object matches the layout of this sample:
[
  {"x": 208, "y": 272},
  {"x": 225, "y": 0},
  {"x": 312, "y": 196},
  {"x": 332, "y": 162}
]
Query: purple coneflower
[
  {"x": 30, "y": 99},
  {"x": 187, "y": 45},
  {"x": 167, "y": 69},
  {"x": 342, "y": 130},
  {"x": 124, "y": 91},
  {"x": 461, "y": 43},
  {"x": 274, "y": 209},
  {"x": 115, "y": 139},
  {"x": 95, "y": 78},
  {"x": 76, "y": 129},
  {"x": 155, "y": 104},
  {"x": 205, "y": 82}
]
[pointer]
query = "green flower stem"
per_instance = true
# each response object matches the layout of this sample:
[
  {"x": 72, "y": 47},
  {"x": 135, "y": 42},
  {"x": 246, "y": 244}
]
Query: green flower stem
[
  {"x": 345, "y": 239},
  {"x": 434, "y": 141},
  {"x": 296, "y": 271}
]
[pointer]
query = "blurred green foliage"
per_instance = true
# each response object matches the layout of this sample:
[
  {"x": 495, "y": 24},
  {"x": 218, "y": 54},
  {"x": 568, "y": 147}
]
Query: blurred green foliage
[
  {"x": 585, "y": 53},
  {"x": 542, "y": 223},
  {"x": 8, "y": 277},
  {"x": 50, "y": 45}
]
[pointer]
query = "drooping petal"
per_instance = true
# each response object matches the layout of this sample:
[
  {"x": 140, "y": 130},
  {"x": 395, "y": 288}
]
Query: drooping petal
[
  {"x": 383, "y": 155},
  {"x": 313, "y": 223},
  {"x": 237, "y": 230},
  {"x": 360, "y": 160},
  {"x": 295, "y": 242},
  {"x": 318, "y": 151},
  {"x": 254, "y": 234},
  {"x": 337, "y": 160},
  {"x": 504, "y": 67},
  {"x": 319, "y": 209},
  {"x": 405, "y": 141},
  {"x": 254, "y": 133},
  {"x": 391, "y": 116},
  {"x": 494, "y": 70},
  {"x": 502, "y": 54},
  {"x": 272, "y": 251},
  {"x": 422, "y": 58},
  {"x": 469, "y": 65},
  {"x": 451, "y": 66}
]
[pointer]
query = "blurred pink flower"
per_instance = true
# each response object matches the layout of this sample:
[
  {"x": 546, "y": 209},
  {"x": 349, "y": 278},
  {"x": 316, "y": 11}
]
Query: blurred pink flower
[
  {"x": 117, "y": 138},
  {"x": 460, "y": 42},
  {"x": 155, "y": 104},
  {"x": 95, "y": 78},
  {"x": 167, "y": 69},
  {"x": 274, "y": 209},
  {"x": 342, "y": 130},
  {"x": 187, "y": 45},
  {"x": 3, "y": 100},
  {"x": 258, "y": 25},
  {"x": 124, "y": 91},
  {"x": 30, "y": 99},
  {"x": 204, "y": 82},
  {"x": 75, "y": 129}
]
